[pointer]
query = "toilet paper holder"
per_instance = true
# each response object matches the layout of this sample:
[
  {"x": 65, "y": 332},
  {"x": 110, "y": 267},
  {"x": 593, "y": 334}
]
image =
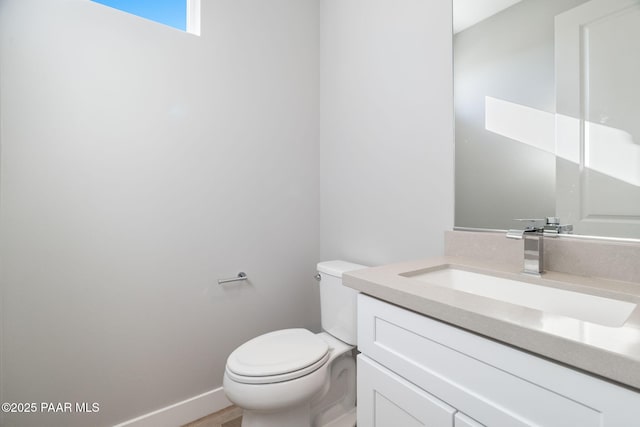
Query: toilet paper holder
[{"x": 240, "y": 277}]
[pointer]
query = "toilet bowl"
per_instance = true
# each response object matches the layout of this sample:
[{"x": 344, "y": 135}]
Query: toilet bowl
[{"x": 295, "y": 378}]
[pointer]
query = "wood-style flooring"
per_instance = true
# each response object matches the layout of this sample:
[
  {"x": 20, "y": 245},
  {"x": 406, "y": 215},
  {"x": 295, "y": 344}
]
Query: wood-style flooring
[{"x": 227, "y": 417}]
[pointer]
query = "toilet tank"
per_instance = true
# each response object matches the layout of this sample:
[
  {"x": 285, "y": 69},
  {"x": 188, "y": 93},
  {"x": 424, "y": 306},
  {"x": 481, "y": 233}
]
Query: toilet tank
[{"x": 338, "y": 302}]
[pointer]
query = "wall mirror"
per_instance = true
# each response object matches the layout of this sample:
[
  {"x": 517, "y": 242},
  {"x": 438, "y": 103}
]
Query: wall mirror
[{"x": 547, "y": 113}]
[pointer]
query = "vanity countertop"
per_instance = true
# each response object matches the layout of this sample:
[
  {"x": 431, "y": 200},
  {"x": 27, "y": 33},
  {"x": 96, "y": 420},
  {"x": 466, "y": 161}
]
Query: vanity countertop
[{"x": 610, "y": 352}]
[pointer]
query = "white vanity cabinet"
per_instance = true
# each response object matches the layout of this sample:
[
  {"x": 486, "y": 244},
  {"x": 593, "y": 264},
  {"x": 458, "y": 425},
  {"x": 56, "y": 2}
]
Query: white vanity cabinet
[{"x": 417, "y": 371}]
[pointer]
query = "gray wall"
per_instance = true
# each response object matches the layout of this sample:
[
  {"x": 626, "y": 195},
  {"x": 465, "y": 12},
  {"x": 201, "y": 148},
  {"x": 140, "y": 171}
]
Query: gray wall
[
  {"x": 139, "y": 165},
  {"x": 386, "y": 129}
]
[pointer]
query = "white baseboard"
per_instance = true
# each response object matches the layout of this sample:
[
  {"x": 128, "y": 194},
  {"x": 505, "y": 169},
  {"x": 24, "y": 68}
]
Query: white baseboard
[{"x": 182, "y": 412}]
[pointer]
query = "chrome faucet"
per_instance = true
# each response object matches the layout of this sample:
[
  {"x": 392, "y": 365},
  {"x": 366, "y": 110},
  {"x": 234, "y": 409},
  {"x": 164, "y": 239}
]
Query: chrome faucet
[{"x": 533, "y": 234}]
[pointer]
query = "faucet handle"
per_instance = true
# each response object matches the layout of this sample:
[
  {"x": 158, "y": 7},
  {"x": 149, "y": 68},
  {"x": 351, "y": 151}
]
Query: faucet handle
[
  {"x": 553, "y": 220},
  {"x": 553, "y": 226}
]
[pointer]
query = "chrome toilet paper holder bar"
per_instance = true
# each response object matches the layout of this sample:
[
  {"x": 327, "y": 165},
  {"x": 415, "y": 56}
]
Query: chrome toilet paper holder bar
[{"x": 240, "y": 277}]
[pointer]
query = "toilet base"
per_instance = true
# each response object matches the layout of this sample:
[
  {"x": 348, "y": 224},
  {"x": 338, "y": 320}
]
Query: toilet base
[
  {"x": 292, "y": 417},
  {"x": 298, "y": 417}
]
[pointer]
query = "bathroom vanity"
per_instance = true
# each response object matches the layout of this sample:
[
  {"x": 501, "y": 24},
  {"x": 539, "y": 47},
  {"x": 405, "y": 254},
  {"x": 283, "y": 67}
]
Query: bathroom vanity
[{"x": 434, "y": 353}]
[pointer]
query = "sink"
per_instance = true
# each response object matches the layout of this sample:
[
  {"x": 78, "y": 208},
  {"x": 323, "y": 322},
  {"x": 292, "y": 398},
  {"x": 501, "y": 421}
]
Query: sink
[{"x": 577, "y": 305}]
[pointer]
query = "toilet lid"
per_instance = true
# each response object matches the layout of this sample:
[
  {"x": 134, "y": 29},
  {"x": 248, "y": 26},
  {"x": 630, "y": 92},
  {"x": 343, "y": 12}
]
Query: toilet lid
[{"x": 277, "y": 353}]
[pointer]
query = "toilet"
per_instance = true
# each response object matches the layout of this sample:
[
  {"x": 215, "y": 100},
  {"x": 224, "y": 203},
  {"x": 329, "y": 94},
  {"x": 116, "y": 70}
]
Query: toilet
[{"x": 296, "y": 378}]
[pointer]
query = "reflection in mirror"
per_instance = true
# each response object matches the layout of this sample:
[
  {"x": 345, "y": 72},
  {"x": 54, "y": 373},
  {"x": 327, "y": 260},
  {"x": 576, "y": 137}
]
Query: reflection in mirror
[{"x": 547, "y": 104}]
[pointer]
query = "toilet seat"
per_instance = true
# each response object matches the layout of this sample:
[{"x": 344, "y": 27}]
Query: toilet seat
[{"x": 277, "y": 356}]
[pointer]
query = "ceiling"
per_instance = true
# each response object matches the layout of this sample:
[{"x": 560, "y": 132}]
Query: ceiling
[{"x": 469, "y": 12}]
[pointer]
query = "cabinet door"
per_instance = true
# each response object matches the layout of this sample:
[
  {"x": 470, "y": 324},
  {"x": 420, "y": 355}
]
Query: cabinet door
[{"x": 387, "y": 400}]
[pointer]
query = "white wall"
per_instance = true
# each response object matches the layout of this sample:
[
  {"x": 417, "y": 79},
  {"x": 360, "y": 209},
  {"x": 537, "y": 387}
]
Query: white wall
[
  {"x": 139, "y": 165},
  {"x": 386, "y": 129}
]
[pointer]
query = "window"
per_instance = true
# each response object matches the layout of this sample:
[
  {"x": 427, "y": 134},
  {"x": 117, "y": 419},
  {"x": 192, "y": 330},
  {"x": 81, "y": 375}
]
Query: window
[{"x": 181, "y": 14}]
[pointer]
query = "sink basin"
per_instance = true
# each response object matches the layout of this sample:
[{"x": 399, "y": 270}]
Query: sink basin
[{"x": 581, "y": 306}]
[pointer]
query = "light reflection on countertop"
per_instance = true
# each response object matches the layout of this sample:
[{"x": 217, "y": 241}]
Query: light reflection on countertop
[{"x": 619, "y": 340}]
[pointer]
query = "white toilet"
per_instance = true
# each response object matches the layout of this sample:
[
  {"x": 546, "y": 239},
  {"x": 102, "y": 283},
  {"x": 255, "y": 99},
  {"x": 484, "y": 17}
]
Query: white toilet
[{"x": 295, "y": 378}]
